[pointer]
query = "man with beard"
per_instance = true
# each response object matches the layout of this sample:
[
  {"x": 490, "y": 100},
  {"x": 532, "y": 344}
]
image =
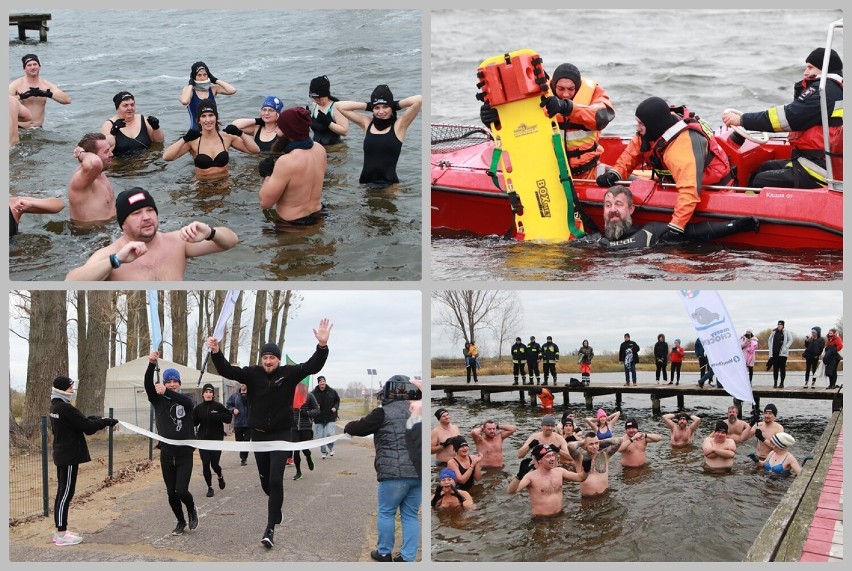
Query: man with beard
[
  {"x": 763, "y": 431},
  {"x": 544, "y": 481},
  {"x": 683, "y": 430},
  {"x": 292, "y": 183},
  {"x": 547, "y": 435},
  {"x": 736, "y": 426},
  {"x": 620, "y": 234},
  {"x": 90, "y": 194},
  {"x": 143, "y": 253}
]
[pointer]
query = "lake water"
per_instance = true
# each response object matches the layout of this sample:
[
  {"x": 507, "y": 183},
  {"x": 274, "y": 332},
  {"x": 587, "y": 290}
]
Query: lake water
[
  {"x": 671, "y": 510},
  {"x": 91, "y": 55},
  {"x": 707, "y": 59}
]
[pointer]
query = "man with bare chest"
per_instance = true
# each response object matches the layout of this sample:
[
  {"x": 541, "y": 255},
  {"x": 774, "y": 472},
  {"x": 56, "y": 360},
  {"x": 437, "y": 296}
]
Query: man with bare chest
[
  {"x": 736, "y": 426},
  {"x": 143, "y": 253},
  {"x": 90, "y": 193},
  {"x": 33, "y": 91},
  {"x": 489, "y": 442},
  {"x": 544, "y": 482},
  {"x": 633, "y": 452},
  {"x": 441, "y": 437},
  {"x": 597, "y": 481},
  {"x": 719, "y": 449},
  {"x": 683, "y": 430},
  {"x": 763, "y": 431},
  {"x": 547, "y": 435},
  {"x": 292, "y": 183}
]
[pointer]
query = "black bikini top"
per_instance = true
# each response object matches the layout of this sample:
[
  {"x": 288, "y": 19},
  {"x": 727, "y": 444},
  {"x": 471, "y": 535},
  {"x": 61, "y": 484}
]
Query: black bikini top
[{"x": 203, "y": 161}]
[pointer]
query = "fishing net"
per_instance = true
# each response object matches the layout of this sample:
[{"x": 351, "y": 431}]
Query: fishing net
[{"x": 447, "y": 138}]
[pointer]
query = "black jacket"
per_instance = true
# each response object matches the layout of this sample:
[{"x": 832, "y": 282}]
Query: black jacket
[
  {"x": 208, "y": 416},
  {"x": 327, "y": 400},
  {"x": 69, "y": 428},
  {"x": 303, "y": 416},
  {"x": 271, "y": 396},
  {"x": 624, "y": 347},
  {"x": 173, "y": 413}
]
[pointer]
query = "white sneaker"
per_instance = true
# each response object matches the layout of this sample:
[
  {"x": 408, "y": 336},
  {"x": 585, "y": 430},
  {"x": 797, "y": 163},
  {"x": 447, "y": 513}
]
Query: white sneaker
[
  {"x": 324, "y": 455},
  {"x": 331, "y": 453},
  {"x": 67, "y": 539},
  {"x": 68, "y": 532}
]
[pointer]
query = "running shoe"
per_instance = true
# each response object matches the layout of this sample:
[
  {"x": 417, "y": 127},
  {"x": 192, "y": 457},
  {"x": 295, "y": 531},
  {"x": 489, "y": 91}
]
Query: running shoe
[
  {"x": 376, "y": 556},
  {"x": 221, "y": 483},
  {"x": 209, "y": 492},
  {"x": 193, "y": 518},
  {"x": 298, "y": 476},
  {"x": 310, "y": 462},
  {"x": 67, "y": 539},
  {"x": 268, "y": 537},
  {"x": 331, "y": 453},
  {"x": 179, "y": 528}
]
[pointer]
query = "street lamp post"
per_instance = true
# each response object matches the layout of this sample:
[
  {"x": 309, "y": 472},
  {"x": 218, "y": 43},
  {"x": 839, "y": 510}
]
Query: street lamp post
[{"x": 372, "y": 373}]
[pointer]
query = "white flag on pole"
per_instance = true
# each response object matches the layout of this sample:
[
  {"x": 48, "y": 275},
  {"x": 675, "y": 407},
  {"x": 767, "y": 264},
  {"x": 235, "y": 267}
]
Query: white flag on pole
[
  {"x": 721, "y": 343},
  {"x": 154, "y": 326},
  {"x": 227, "y": 312}
]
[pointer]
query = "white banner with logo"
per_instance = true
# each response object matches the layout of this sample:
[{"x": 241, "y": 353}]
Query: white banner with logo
[{"x": 721, "y": 343}]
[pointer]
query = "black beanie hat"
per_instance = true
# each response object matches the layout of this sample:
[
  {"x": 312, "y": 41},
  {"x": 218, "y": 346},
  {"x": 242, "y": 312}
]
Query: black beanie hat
[
  {"x": 204, "y": 106},
  {"x": 28, "y": 58},
  {"x": 62, "y": 383},
  {"x": 565, "y": 71},
  {"x": 271, "y": 349},
  {"x": 835, "y": 64},
  {"x": 196, "y": 67},
  {"x": 208, "y": 387},
  {"x": 121, "y": 96},
  {"x": 655, "y": 114},
  {"x": 381, "y": 95},
  {"x": 129, "y": 201},
  {"x": 320, "y": 87}
]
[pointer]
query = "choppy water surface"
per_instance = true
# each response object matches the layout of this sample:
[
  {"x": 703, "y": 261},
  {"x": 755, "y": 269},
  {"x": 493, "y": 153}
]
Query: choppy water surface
[
  {"x": 671, "y": 510},
  {"x": 707, "y": 59},
  {"x": 367, "y": 235}
]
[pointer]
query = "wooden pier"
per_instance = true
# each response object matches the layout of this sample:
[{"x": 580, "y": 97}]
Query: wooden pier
[
  {"x": 807, "y": 525},
  {"x": 30, "y": 22},
  {"x": 501, "y": 384}
]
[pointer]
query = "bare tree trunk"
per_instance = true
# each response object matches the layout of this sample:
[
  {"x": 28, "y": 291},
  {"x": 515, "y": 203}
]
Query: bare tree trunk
[
  {"x": 142, "y": 324},
  {"x": 180, "y": 332},
  {"x": 201, "y": 329},
  {"x": 218, "y": 303},
  {"x": 235, "y": 330},
  {"x": 132, "y": 349},
  {"x": 464, "y": 312},
  {"x": 113, "y": 329},
  {"x": 274, "y": 307},
  {"x": 82, "y": 347},
  {"x": 258, "y": 329},
  {"x": 48, "y": 353},
  {"x": 288, "y": 303},
  {"x": 92, "y": 371}
]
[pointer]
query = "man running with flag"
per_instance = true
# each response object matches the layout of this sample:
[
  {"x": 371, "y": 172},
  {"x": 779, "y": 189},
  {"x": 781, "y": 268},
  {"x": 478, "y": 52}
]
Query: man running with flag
[{"x": 270, "y": 388}]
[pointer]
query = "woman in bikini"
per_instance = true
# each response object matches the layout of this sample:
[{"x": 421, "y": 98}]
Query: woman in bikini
[
  {"x": 384, "y": 132},
  {"x": 263, "y": 128},
  {"x": 781, "y": 461},
  {"x": 209, "y": 146},
  {"x": 133, "y": 132}
]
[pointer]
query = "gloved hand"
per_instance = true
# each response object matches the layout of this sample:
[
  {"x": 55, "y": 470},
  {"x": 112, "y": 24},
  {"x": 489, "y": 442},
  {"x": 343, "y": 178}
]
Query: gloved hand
[
  {"x": 587, "y": 464},
  {"x": 110, "y": 421},
  {"x": 488, "y": 115},
  {"x": 31, "y": 92},
  {"x": 191, "y": 82},
  {"x": 259, "y": 122},
  {"x": 324, "y": 119},
  {"x": 555, "y": 105},
  {"x": 395, "y": 105},
  {"x": 191, "y": 135},
  {"x": 212, "y": 77},
  {"x": 672, "y": 234},
  {"x": 533, "y": 443},
  {"x": 154, "y": 122},
  {"x": 117, "y": 125},
  {"x": 265, "y": 168},
  {"x": 526, "y": 466},
  {"x": 458, "y": 495},
  {"x": 48, "y": 94},
  {"x": 608, "y": 179},
  {"x": 753, "y": 457},
  {"x": 369, "y": 106},
  {"x": 759, "y": 435},
  {"x": 755, "y": 416},
  {"x": 233, "y": 130}
]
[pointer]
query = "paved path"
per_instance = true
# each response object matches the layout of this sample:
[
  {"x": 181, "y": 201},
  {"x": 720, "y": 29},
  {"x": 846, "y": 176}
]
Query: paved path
[{"x": 330, "y": 515}]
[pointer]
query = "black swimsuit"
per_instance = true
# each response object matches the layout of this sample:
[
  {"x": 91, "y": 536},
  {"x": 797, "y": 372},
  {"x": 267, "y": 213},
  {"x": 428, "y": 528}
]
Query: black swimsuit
[
  {"x": 264, "y": 146},
  {"x": 203, "y": 161},
  {"x": 381, "y": 153},
  {"x": 125, "y": 145}
]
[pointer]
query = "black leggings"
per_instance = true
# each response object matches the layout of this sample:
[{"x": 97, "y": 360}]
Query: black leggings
[
  {"x": 210, "y": 459},
  {"x": 242, "y": 434},
  {"x": 270, "y": 468},
  {"x": 811, "y": 364},
  {"x": 301, "y": 436},
  {"x": 676, "y": 371},
  {"x": 177, "y": 471},
  {"x": 779, "y": 367},
  {"x": 66, "y": 480},
  {"x": 661, "y": 368},
  {"x": 472, "y": 369}
]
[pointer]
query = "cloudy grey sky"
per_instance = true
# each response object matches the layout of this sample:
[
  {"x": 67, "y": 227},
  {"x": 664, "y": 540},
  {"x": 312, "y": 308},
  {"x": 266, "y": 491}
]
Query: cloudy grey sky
[
  {"x": 604, "y": 316},
  {"x": 379, "y": 330}
]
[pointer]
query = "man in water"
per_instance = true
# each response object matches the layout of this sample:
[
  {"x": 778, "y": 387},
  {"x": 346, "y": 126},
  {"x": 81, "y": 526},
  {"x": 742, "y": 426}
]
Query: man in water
[
  {"x": 545, "y": 481},
  {"x": 34, "y": 91},
  {"x": 441, "y": 438},
  {"x": 547, "y": 435},
  {"x": 683, "y": 430},
  {"x": 736, "y": 426},
  {"x": 292, "y": 183},
  {"x": 143, "y": 253},
  {"x": 763, "y": 431},
  {"x": 719, "y": 449},
  {"x": 597, "y": 459},
  {"x": 620, "y": 234},
  {"x": 489, "y": 440},
  {"x": 90, "y": 193},
  {"x": 633, "y": 453}
]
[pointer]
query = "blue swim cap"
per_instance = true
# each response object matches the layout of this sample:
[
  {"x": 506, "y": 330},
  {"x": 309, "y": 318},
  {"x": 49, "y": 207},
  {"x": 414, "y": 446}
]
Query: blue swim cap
[
  {"x": 273, "y": 103},
  {"x": 446, "y": 473},
  {"x": 171, "y": 375}
]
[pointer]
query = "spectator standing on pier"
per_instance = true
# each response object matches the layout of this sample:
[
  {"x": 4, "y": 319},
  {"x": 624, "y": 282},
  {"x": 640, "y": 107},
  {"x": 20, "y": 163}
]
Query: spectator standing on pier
[
  {"x": 676, "y": 359},
  {"x": 814, "y": 346},
  {"x": 703, "y": 365},
  {"x": 470, "y": 363},
  {"x": 441, "y": 437},
  {"x": 489, "y": 440},
  {"x": 519, "y": 360},
  {"x": 779, "y": 347},
  {"x": 533, "y": 356},
  {"x": 748, "y": 342},
  {"x": 661, "y": 357},
  {"x": 585, "y": 354},
  {"x": 832, "y": 358},
  {"x": 550, "y": 355},
  {"x": 628, "y": 354}
]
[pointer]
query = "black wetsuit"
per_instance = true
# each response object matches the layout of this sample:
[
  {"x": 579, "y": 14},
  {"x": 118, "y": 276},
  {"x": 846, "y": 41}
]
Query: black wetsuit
[
  {"x": 125, "y": 145},
  {"x": 652, "y": 234},
  {"x": 381, "y": 153}
]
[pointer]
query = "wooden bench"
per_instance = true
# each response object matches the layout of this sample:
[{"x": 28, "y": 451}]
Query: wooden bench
[{"x": 30, "y": 22}]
